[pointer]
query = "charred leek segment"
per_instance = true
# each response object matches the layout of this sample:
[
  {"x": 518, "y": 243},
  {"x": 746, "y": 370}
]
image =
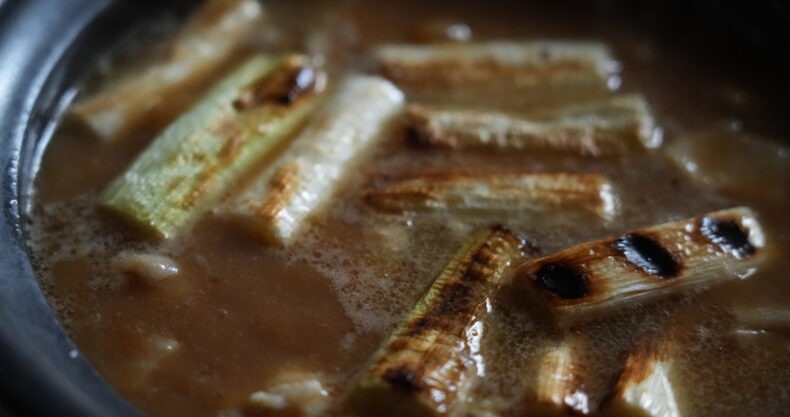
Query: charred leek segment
[
  {"x": 559, "y": 389},
  {"x": 601, "y": 276},
  {"x": 647, "y": 386},
  {"x": 277, "y": 203},
  {"x": 212, "y": 35},
  {"x": 192, "y": 162},
  {"x": 433, "y": 356},
  {"x": 536, "y": 72},
  {"x": 538, "y": 192},
  {"x": 606, "y": 127}
]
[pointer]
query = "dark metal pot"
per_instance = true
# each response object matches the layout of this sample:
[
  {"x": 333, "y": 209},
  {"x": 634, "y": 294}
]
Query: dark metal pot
[{"x": 46, "y": 46}]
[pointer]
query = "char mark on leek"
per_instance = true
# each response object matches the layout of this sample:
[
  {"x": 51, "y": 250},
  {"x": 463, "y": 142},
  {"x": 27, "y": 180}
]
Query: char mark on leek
[
  {"x": 195, "y": 159},
  {"x": 599, "y": 277},
  {"x": 431, "y": 358},
  {"x": 647, "y": 254},
  {"x": 276, "y": 204},
  {"x": 212, "y": 36}
]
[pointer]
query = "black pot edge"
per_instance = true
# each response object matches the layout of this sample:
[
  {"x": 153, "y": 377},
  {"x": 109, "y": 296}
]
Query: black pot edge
[{"x": 43, "y": 372}]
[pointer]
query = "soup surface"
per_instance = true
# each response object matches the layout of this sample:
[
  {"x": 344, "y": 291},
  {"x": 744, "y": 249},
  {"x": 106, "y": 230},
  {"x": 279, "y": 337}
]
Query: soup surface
[{"x": 240, "y": 316}]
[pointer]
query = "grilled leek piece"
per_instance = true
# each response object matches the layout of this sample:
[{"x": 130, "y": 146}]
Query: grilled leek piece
[
  {"x": 535, "y": 192},
  {"x": 192, "y": 162},
  {"x": 203, "y": 46},
  {"x": 647, "y": 386},
  {"x": 276, "y": 204},
  {"x": 560, "y": 381},
  {"x": 432, "y": 357},
  {"x": 601, "y": 276},
  {"x": 534, "y": 72},
  {"x": 607, "y": 127}
]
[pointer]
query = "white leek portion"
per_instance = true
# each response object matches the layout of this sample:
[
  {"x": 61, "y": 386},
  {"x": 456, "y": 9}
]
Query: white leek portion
[
  {"x": 606, "y": 127},
  {"x": 212, "y": 35},
  {"x": 552, "y": 193},
  {"x": 560, "y": 380},
  {"x": 532, "y": 72},
  {"x": 276, "y": 205}
]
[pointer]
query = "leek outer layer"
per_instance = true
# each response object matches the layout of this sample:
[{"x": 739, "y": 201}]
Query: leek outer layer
[
  {"x": 560, "y": 381},
  {"x": 201, "y": 154},
  {"x": 526, "y": 73},
  {"x": 276, "y": 205},
  {"x": 606, "y": 127},
  {"x": 213, "y": 35},
  {"x": 552, "y": 193},
  {"x": 431, "y": 359},
  {"x": 602, "y": 277}
]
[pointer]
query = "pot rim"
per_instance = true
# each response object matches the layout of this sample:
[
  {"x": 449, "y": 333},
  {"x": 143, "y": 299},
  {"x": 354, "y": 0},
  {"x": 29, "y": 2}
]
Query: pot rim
[{"x": 44, "y": 372}]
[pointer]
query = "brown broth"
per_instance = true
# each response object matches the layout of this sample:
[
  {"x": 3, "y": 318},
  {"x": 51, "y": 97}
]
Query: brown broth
[{"x": 242, "y": 312}]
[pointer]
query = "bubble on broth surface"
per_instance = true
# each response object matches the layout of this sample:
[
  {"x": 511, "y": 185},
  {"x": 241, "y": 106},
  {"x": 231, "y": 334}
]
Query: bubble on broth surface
[
  {"x": 56, "y": 238},
  {"x": 374, "y": 290}
]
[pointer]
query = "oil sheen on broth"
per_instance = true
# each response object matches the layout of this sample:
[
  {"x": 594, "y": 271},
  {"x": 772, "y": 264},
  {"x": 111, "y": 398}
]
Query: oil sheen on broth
[{"x": 233, "y": 317}]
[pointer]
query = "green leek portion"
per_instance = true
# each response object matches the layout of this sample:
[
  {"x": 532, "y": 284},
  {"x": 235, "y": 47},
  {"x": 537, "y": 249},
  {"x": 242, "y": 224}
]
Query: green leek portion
[{"x": 197, "y": 157}]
